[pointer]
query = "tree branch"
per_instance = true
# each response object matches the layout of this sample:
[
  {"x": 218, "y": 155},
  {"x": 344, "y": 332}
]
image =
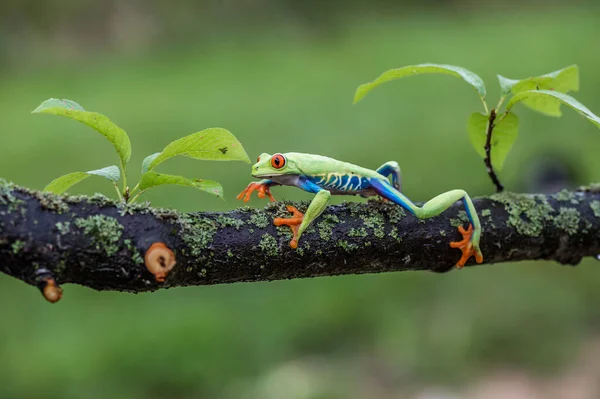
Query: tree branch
[
  {"x": 47, "y": 240},
  {"x": 488, "y": 152}
]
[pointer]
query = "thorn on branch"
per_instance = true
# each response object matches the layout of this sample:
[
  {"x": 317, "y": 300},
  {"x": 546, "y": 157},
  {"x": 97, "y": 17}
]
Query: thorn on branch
[{"x": 159, "y": 260}]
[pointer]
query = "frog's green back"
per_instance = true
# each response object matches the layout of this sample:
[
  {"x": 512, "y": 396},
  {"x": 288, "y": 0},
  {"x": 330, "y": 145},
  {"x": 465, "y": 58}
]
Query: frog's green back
[{"x": 313, "y": 165}]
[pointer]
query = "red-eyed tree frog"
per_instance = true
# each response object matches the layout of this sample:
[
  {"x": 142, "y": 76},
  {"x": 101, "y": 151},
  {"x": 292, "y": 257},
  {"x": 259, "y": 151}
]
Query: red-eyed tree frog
[{"x": 326, "y": 176}]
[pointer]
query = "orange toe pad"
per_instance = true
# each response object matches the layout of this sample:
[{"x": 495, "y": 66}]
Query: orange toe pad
[
  {"x": 293, "y": 222},
  {"x": 263, "y": 190},
  {"x": 466, "y": 247}
]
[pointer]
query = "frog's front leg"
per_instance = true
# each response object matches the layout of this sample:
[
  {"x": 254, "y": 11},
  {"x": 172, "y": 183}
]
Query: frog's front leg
[
  {"x": 263, "y": 187},
  {"x": 300, "y": 222},
  {"x": 470, "y": 243}
]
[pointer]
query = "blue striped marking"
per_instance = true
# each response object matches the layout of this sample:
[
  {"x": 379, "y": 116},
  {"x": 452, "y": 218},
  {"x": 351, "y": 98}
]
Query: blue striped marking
[{"x": 341, "y": 182}]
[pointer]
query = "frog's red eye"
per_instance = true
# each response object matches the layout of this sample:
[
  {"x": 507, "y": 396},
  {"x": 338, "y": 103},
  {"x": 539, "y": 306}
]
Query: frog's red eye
[
  {"x": 258, "y": 159},
  {"x": 278, "y": 161}
]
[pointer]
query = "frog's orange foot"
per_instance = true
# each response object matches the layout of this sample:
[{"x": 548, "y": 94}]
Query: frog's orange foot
[
  {"x": 263, "y": 190},
  {"x": 466, "y": 246},
  {"x": 293, "y": 222}
]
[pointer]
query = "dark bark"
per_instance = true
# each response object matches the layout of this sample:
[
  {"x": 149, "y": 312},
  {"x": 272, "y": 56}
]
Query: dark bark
[
  {"x": 95, "y": 242},
  {"x": 488, "y": 152}
]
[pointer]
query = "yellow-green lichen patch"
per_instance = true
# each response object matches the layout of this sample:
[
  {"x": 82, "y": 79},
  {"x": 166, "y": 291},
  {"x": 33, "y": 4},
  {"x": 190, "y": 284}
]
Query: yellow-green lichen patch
[
  {"x": 63, "y": 227},
  {"x": 595, "y": 205},
  {"x": 52, "y": 202},
  {"x": 355, "y": 208},
  {"x": 591, "y": 188},
  {"x": 566, "y": 195},
  {"x": 360, "y": 232},
  {"x": 260, "y": 220},
  {"x": 226, "y": 221},
  {"x": 197, "y": 232},
  {"x": 326, "y": 225},
  {"x": 526, "y": 213},
  {"x": 567, "y": 220},
  {"x": 375, "y": 221},
  {"x": 395, "y": 214},
  {"x": 101, "y": 200},
  {"x": 7, "y": 197},
  {"x": 136, "y": 257},
  {"x": 284, "y": 231},
  {"x": 103, "y": 232},
  {"x": 348, "y": 247},
  {"x": 486, "y": 212},
  {"x": 460, "y": 220},
  {"x": 269, "y": 245},
  {"x": 394, "y": 234},
  {"x": 17, "y": 246},
  {"x": 324, "y": 231}
]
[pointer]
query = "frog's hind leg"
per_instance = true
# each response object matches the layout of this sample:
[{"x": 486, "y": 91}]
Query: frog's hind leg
[
  {"x": 392, "y": 169},
  {"x": 470, "y": 243}
]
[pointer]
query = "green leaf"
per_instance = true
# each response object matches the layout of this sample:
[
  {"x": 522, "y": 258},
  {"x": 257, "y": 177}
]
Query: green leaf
[
  {"x": 112, "y": 173},
  {"x": 99, "y": 122},
  {"x": 214, "y": 144},
  {"x": 63, "y": 183},
  {"x": 153, "y": 179},
  {"x": 563, "y": 81},
  {"x": 506, "y": 84},
  {"x": 147, "y": 161},
  {"x": 503, "y": 136},
  {"x": 562, "y": 97},
  {"x": 410, "y": 70}
]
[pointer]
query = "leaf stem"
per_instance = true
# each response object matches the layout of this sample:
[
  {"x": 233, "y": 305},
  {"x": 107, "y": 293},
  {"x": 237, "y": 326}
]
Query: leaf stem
[
  {"x": 485, "y": 106},
  {"x": 137, "y": 186},
  {"x": 135, "y": 197},
  {"x": 118, "y": 192},
  {"x": 124, "y": 174},
  {"x": 500, "y": 102},
  {"x": 488, "y": 151},
  {"x": 499, "y": 118}
]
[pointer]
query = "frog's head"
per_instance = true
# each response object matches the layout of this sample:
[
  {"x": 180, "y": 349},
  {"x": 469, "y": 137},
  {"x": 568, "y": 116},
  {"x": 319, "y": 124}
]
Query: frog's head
[{"x": 268, "y": 166}]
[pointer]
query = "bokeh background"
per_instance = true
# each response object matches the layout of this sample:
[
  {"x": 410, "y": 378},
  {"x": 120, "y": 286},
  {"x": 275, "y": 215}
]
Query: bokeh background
[{"x": 280, "y": 74}]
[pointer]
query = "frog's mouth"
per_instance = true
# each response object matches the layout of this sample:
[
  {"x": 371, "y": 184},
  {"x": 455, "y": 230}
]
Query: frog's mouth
[
  {"x": 266, "y": 175},
  {"x": 281, "y": 178}
]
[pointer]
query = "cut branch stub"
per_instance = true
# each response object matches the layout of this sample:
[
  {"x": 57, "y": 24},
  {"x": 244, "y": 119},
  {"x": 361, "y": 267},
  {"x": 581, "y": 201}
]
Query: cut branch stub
[
  {"x": 52, "y": 291},
  {"x": 48, "y": 285},
  {"x": 159, "y": 260}
]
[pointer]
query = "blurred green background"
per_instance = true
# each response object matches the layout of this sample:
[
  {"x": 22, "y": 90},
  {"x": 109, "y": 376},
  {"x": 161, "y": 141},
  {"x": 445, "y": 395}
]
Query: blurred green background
[{"x": 281, "y": 75}]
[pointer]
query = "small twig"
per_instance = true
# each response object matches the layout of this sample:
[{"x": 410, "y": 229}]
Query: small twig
[{"x": 488, "y": 152}]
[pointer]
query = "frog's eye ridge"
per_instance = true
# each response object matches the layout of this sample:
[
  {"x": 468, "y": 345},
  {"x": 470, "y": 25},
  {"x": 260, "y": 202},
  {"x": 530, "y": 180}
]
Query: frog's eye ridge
[{"x": 278, "y": 161}]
